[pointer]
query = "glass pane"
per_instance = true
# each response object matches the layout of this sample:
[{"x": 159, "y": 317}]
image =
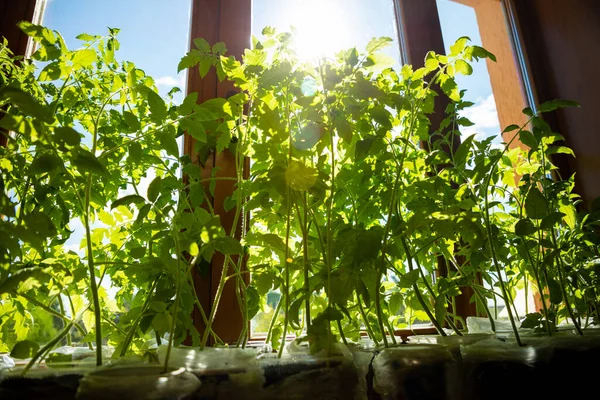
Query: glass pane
[
  {"x": 154, "y": 33},
  {"x": 325, "y": 27},
  {"x": 496, "y": 88},
  {"x": 153, "y": 42}
]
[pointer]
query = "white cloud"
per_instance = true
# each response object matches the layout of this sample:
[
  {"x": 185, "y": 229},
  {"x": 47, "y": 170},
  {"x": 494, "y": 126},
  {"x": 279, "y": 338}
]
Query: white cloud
[
  {"x": 171, "y": 81},
  {"x": 485, "y": 117}
]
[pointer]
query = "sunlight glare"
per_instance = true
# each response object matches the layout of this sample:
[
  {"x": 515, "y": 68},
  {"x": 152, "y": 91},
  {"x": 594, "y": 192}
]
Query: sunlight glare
[{"x": 321, "y": 29}]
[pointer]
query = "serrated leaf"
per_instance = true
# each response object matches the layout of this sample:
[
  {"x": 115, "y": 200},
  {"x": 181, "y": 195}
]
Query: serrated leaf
[
  {"x": 440, "y": 308},
  {"x": 556, "y": 104},
  {"x": 11, "y": 283},
  {"x": 154, "y": 189},
  {"x": 194, "y": 128},
  {"x": 409, "y": 279},
  {"x": 43, "y": 163},
  {"x": 86, "y": 162},
  {"x": 67, "y": 135},
  {"x": 132, "y": 121},
  {"x": 377, "y": 44},
  {"x": 127, "y": 200},
  {"x": 536, "y": 205},
  {"x": 549, "y": 221},
  {"x": 157, "y": 105},
  {"x": 395, "y": 303},
  {"x": 554, "y": 288},
  {"x": 157, "y": 306},
  {"x": 51, "y": 72},
  {"x": 84, "y": 57},
  {"x": 202, "y": 45},
  {"x": 463, "y": 67},
  {"x": 525, "y": 228},
  {"x": 228, "y": 245},
  {"x": 24, "y": 349},
  {"x": 161, "y": 323}
]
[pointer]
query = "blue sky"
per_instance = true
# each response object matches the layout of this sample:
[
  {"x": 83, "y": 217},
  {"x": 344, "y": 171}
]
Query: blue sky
[{"x": 154, "y": 34}]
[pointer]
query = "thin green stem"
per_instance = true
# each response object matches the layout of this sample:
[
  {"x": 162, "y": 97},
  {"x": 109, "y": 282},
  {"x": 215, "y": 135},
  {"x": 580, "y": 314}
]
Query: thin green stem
[
  {"x": 175, "y": 302},
  {"x": 420, "y": 299},
  {"x": 47, "y": 347},
  {"x": 137, "y": 320}
]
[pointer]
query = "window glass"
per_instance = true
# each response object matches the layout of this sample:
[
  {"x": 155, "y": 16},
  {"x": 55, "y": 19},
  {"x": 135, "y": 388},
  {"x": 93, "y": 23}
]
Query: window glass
[
  {"x": 496, "y": 88},
  {"x": 322, "y": 28},
  {"x": 325, "y": 27},
  {"x": 154, "y": 33}
]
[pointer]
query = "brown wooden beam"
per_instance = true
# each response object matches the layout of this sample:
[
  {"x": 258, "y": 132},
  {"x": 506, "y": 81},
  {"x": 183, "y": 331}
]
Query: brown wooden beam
[{"x": 225, "y": 21}]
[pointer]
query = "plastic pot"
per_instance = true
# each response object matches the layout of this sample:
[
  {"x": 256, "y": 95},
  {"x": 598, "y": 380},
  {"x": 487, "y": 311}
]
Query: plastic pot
[
  {"x": 415, "y": 372},
  {"x": 145, "y": 382}
]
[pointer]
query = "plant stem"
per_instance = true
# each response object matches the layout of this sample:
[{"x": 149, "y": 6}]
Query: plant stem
[
  {"x": 422, "y": 302},
  {"x": 366, "y": 320},
  {"x": 56, "y": 314},
  {"x": 137, "y": 320},
  {"x": 62, "y": 311},
  {"x": 273, "y": 319},
  {"x": 175, "y": 303},
  {"x": 339, "y": 324},
  {"x": 536, "y": 275},
  {"x": 559, "y": 267},
  {"x": 47, "y": 347}
]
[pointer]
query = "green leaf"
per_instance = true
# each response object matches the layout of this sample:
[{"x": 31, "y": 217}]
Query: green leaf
[
  {"x": 549, "y": 221},
  {"x": 86, "y": 162},
  {"x": 132, "y": 121},
  {"x": 252, "y": 301},
  {"x": 137, "y": 252},
  {"x": 460, "y": 157},
  {"x": 440, "y": 308},
  {"x": 202, "y": 45},
  {"x": 525, "y": 228},
  {"x": 194, "y": 128},
  {"x": 554, "y": 288},
  {"x": 528, "y": 139},
  {"x": 25, "y": 102},
  {"x": 157, "y": 105},
  {"x": 409, "y": 279},
  {"x": 51, "y": 72},
  {"x": 24, "y": 349},
  {"x": 67, "y": 135},
  {"x": 463, "y": 67},
  {"x": 532, "y": 320},
  {"x": 11, "y": 283},
  {"x": 560, "y": 150},
  {"x": 228, "y": 245},
  {"x": 394, "y": 303},
  {"x": 83, "y": 58},
  {"x": 570, "y": 212},
  {"x": 377, "y": 44},
  {"x": 458, "y": 46},
  {"x": 167, "y": 139},
  {"x": 536, "y": 204},
  {"x": 161, "y": 323},
  {"x": 154, "y": 189},
  {"x": 126, "y": 200},
  {"x": 44, "y": 163},
  {"x": 157, "y": 306},
  {"x": 556, "y": 104}
]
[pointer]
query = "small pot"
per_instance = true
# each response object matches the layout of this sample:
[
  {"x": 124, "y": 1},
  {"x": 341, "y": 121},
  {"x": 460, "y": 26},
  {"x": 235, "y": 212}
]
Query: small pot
[
  {"x": 146, "y": 382},
  {"x": 415, "y": 372},
  {"x": 500, "y": 370}
]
